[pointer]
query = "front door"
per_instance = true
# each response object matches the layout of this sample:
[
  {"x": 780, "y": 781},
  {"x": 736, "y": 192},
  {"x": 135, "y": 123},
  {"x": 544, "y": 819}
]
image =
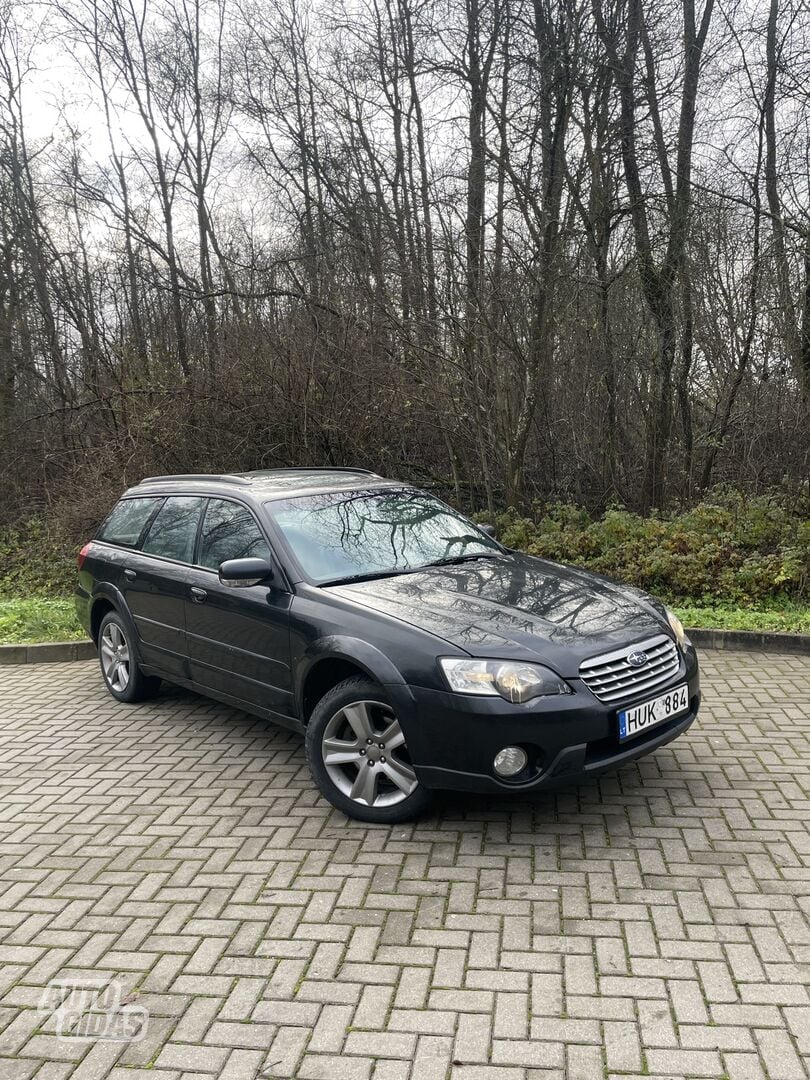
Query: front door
[{"x": 238, "y": 637}]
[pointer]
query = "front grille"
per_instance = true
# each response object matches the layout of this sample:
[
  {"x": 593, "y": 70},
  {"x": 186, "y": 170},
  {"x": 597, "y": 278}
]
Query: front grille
[{"x": 612, "y": 678}]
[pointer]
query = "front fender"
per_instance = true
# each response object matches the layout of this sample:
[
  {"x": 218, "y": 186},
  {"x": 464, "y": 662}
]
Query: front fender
[{"x": 365, "y": 656}]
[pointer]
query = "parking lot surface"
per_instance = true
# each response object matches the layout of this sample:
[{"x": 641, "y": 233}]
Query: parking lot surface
[{"x": 653, "y": 923}]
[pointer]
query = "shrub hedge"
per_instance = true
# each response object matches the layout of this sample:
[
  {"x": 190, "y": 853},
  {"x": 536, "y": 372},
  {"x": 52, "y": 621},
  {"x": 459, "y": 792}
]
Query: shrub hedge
[
  {"x": 37, "y": 560},
  {"x": 732, "y": 549}
]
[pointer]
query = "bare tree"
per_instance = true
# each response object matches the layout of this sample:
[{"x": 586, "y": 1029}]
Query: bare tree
[{"x": 459, "y": 243}]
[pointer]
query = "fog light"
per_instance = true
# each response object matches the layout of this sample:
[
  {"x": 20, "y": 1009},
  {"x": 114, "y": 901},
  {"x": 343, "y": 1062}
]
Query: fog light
[{"x": 510, "y": 761}]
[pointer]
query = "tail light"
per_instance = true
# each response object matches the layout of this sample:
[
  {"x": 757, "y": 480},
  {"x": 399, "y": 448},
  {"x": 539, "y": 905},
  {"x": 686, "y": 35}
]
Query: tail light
[{"x": 83, "y": 555}]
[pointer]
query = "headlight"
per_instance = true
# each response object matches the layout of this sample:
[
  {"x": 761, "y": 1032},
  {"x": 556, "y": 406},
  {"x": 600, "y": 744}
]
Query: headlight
[
  {"x": 514, "y": 681},
  {"x": 677, "y": 627}
]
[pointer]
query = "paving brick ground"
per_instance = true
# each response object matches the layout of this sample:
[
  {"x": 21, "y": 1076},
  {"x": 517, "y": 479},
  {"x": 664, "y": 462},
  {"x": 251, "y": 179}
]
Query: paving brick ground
[{"x": 656, "y": 923}]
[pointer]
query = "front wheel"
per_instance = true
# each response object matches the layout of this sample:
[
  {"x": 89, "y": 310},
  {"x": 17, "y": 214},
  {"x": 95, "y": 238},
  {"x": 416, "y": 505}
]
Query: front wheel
[
  {"x": 358, "y": 756},
  {"x": 119, "y": 662}
]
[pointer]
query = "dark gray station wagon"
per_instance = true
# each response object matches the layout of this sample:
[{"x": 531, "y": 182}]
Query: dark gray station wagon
[{"x": 412, "y": 649}]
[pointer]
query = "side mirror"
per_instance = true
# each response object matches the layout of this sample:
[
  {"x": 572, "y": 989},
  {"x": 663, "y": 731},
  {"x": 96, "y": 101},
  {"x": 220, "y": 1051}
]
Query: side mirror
[
  {"x": 488, "y": 529},
  {"x": 240, "y": 573}
]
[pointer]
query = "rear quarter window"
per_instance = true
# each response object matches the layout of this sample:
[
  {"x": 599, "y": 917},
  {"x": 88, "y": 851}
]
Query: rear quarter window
[{"x": 127, "y": 520}]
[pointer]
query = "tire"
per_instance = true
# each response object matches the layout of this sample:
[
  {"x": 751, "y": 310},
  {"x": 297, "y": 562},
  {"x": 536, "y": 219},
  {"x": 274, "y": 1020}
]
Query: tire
[
  {"x": 347, "y": 730},
  {"x": 118, "y": 660}
]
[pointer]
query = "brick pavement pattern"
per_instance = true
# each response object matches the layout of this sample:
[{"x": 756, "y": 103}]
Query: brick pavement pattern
[{"x": 653, "y": 923}]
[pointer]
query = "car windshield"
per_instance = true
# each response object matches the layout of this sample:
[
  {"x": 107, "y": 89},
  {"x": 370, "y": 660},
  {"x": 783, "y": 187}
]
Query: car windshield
[{"x": 352, "y": 534}]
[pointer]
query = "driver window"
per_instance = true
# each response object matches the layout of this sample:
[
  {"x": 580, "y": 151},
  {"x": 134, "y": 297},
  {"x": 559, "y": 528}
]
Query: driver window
[{"x": 230, "y": 532}]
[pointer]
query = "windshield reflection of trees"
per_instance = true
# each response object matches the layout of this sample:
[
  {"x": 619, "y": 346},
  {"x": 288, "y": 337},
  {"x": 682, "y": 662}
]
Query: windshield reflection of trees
[{"x": 391, "y": 529}]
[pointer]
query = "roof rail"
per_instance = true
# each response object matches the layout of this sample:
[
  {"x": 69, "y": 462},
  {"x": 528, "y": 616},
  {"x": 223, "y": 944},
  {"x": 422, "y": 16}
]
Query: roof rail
[
  {"x": 221, "y": 477},
  {"x": 310, "y": 468}
]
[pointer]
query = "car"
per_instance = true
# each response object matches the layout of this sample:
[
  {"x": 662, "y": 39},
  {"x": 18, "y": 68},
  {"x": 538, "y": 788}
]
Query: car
[{"x": 411, "y": 649}]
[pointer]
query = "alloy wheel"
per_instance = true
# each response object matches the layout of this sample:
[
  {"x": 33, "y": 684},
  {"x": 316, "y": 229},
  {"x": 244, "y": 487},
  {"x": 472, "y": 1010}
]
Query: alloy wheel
[
  {"x": 115, "y": 658},
  {"x": 364, "y": 753}
]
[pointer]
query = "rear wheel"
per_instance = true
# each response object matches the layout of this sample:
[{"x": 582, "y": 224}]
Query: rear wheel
[
  {"x": 119, "y": 662},
  {"x": 359, "y": 758}
]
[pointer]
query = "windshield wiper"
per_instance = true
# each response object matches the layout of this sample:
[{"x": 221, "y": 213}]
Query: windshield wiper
[
  {"x": 369, "y": 575},
  {"x": 454, "y": 560},
  {"x": 449, "y": 560}
]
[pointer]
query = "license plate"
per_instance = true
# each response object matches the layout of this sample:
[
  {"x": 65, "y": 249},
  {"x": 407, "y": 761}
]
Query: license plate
[{"x": 658, "y": 710}]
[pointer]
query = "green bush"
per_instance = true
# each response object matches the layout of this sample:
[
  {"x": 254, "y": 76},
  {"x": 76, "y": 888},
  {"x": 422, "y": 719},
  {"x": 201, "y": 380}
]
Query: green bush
[
  {"x": 37, "y": 560},
  {"x": 732, "y": 551}
]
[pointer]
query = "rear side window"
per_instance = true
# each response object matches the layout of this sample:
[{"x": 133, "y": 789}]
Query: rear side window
[
  {"x": 126, "y": 523},
  {"x": 229, "y": 532},
  {"x": 174, "y": 529}
]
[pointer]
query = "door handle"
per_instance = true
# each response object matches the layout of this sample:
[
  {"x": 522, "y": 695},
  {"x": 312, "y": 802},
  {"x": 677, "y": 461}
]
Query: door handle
[
  {"x": 198, "y": 595},
  {"x": 130, "y": 574}
]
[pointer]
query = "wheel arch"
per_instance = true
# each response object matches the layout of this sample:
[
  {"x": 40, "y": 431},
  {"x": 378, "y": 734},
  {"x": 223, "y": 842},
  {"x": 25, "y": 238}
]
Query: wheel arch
[
  {"x": 333, "y": 659},
  {"x": 107, "y": 599}
]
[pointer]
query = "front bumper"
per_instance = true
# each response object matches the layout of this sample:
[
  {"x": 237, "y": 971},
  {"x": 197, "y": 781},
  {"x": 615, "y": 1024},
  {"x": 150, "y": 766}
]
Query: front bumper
[{"x": 453, "y": 738}]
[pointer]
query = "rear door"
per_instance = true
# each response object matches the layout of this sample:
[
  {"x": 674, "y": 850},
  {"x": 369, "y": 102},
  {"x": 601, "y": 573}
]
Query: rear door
[
  {"x": 155, "y": 582},
  {"x": 238, "y": 636}
]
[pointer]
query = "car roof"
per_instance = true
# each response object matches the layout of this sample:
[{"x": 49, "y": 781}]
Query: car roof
[{"x": 264, "y": 483}]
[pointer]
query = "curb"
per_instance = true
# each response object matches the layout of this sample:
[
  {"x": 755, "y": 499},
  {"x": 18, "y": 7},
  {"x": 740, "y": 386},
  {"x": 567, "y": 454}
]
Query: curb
[
  {"x": 751, "y": 640},
  {"x": 48, "y": 652},
  {"x": 56, "y": 652}
]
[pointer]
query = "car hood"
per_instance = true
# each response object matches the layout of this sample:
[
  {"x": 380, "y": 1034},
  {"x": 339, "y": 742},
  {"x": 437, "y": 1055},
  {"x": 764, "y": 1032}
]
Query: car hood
[{"x": 515, "y": 607}]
